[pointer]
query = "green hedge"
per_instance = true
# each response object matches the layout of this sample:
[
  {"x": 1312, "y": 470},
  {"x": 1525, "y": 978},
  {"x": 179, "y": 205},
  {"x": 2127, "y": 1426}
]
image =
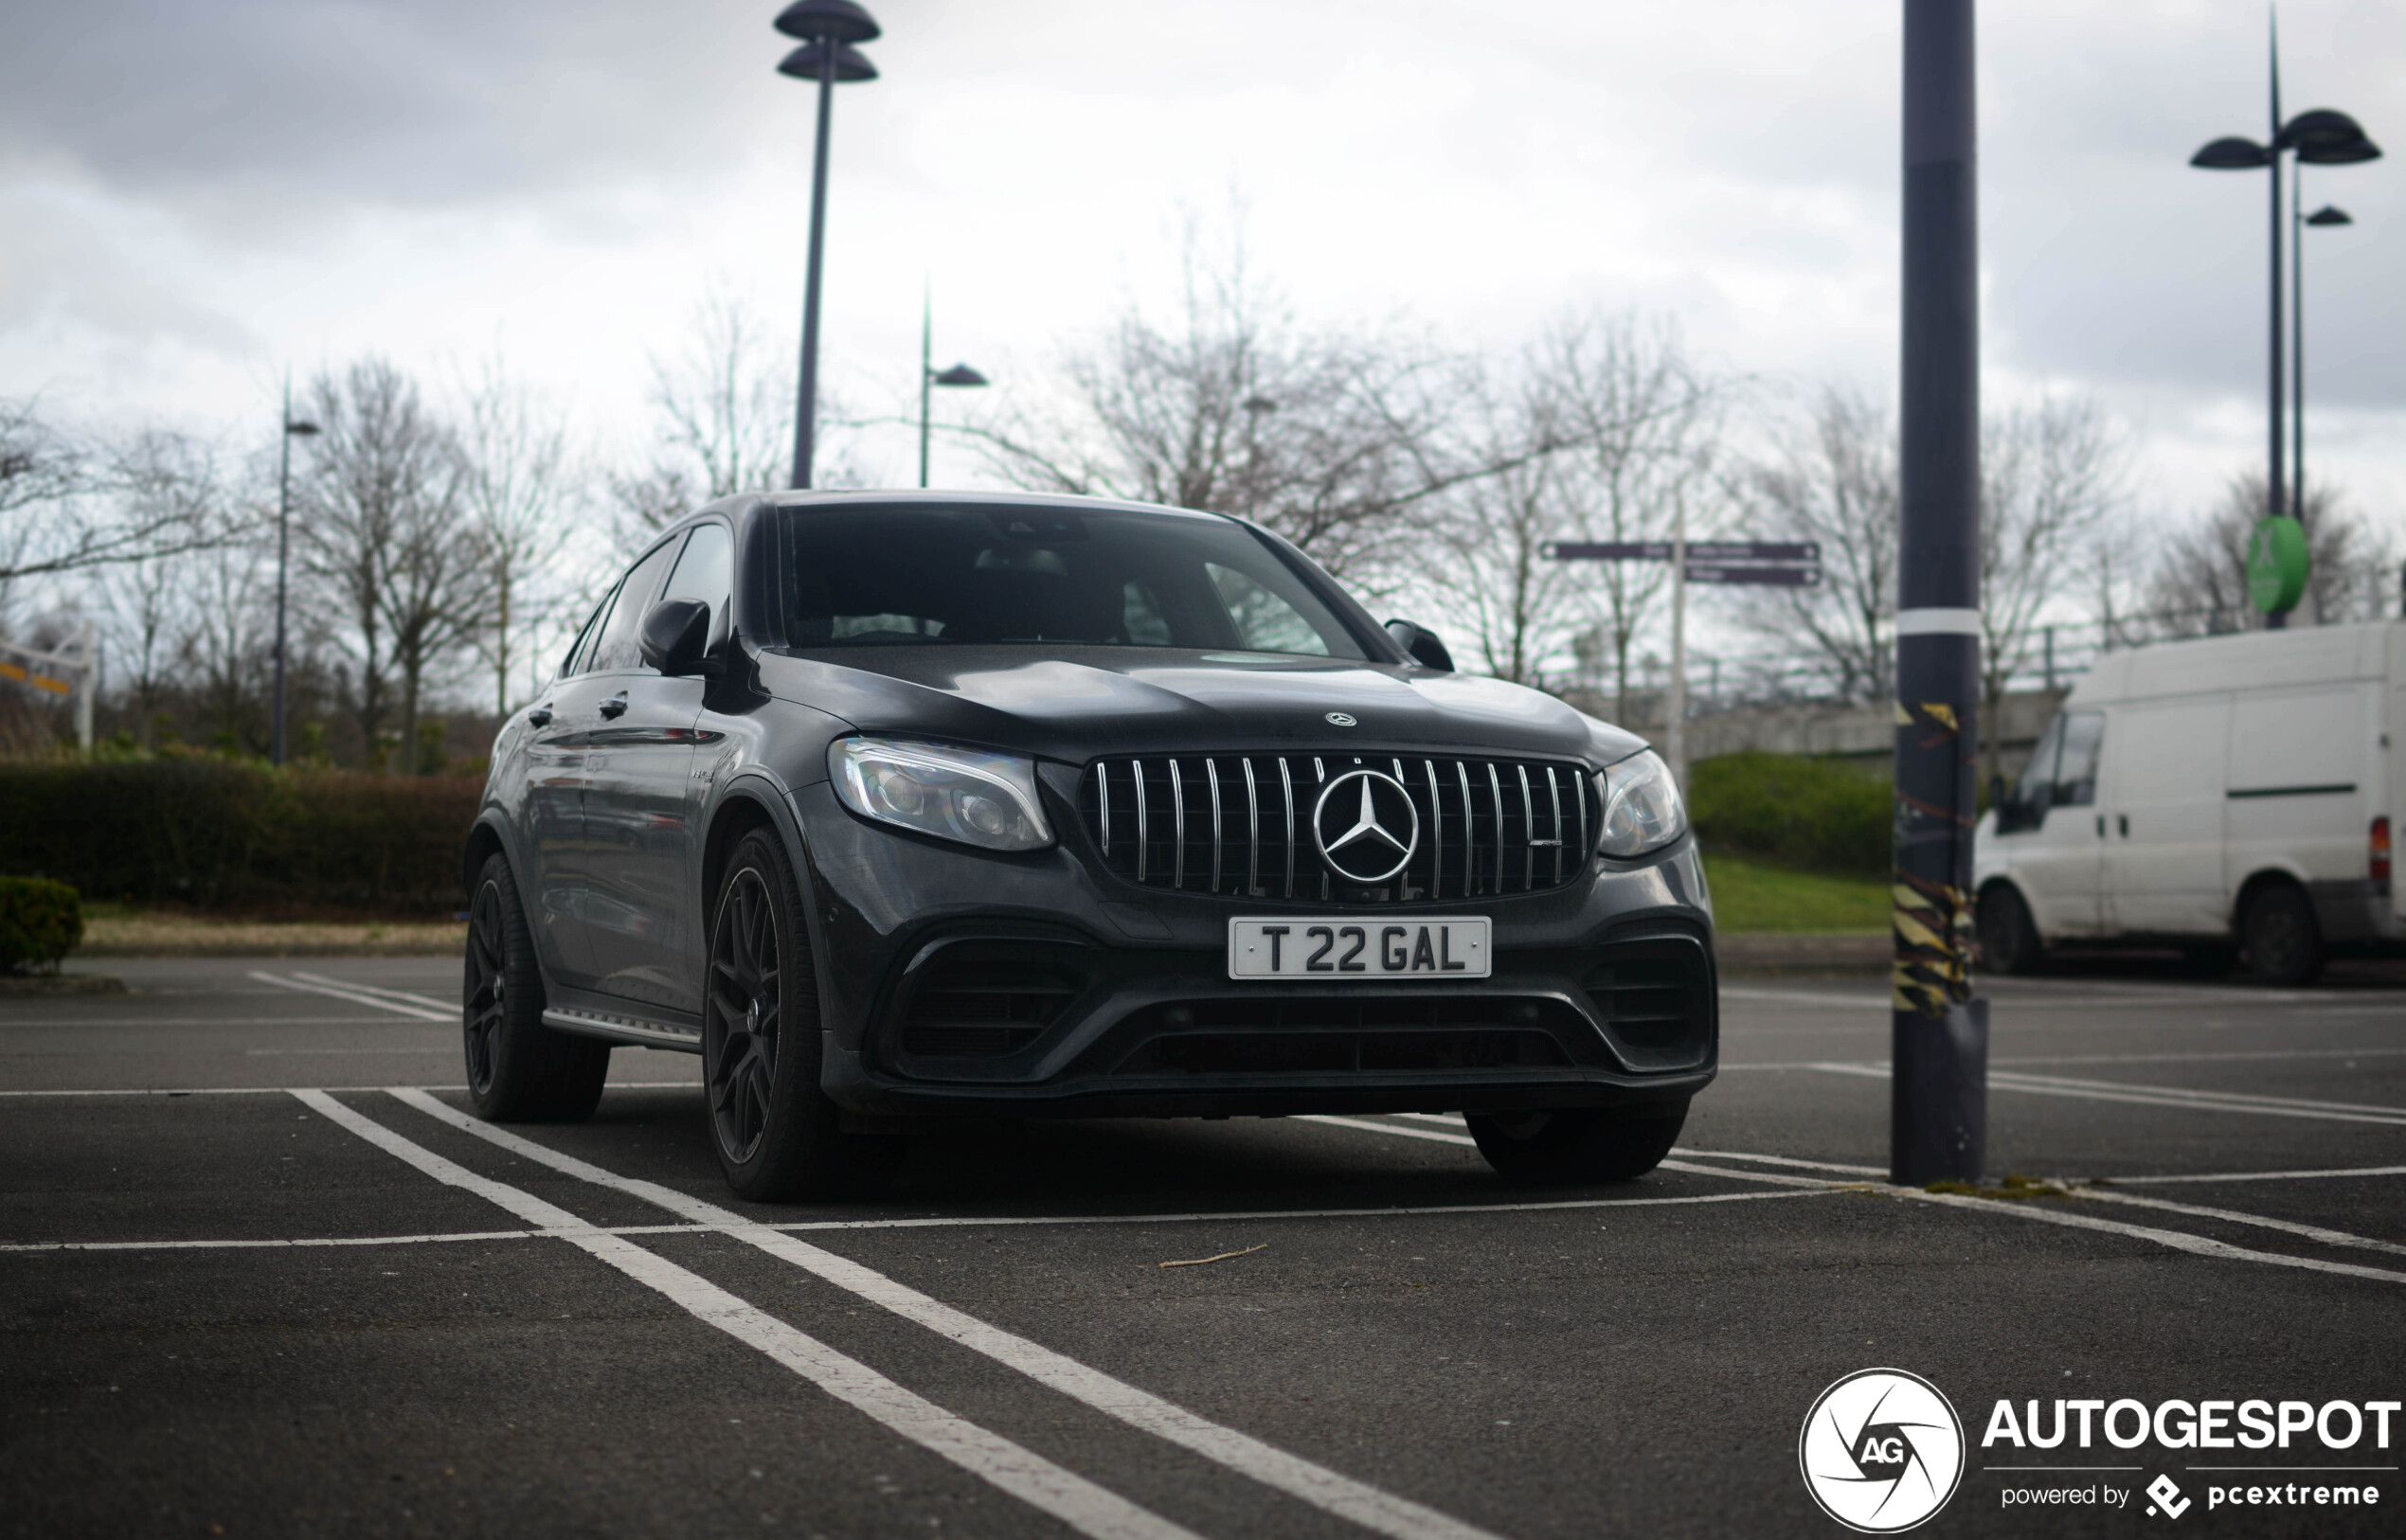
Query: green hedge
[
  {"x": 40, "y": 923},
  {"x": 219, "y": 834},
  {"x": 1817, "y": 815}
]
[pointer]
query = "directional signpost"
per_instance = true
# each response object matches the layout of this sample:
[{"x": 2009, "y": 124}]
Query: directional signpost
[{"x": 1769, "y": 563}]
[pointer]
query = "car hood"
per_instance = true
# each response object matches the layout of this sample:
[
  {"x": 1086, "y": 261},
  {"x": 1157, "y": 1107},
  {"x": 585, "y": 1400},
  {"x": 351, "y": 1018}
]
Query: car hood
[{"x": 1157, "y": 701}]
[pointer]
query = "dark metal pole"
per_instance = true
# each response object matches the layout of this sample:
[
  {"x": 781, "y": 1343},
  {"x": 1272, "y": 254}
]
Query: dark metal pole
[
  {"x": 283, "y": 549},
  {"x": 806, "y": 407},
  {"x": 927, "y": 375},
  {"x": 2276, "y": 485},
  {"x": 2297, "y": 342},
  {"x": 1939, "y": 1089}
]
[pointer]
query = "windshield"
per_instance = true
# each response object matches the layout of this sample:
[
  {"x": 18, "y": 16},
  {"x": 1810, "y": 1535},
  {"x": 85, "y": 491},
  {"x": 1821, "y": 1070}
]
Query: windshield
[{"x": 922, "y": 575}]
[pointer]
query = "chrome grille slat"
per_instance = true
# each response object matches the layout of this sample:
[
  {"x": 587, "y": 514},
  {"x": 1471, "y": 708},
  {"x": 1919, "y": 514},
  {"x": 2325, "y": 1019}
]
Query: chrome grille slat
[
  {"x": 1142, "y": 835},
  {"x": 1211, "y": 770},
  {"x": 1178, "y": 827},
  {"x": 1500, "y": 861},
  {"x": 1252, "y": 830}
]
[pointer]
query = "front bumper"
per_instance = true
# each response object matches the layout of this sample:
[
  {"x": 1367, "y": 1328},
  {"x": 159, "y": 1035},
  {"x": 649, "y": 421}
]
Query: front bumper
[{"x": 954, "y": 982}]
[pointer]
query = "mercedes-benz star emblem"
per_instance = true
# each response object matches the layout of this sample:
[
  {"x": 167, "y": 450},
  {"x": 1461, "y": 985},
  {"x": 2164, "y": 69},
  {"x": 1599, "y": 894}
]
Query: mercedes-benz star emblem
[
  {"x": 1365, "y": 826},
  {"x": 1339, "y": 719}
]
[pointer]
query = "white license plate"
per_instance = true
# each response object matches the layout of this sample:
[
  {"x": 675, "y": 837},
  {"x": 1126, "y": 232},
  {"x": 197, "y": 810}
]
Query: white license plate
[{"x": 1341, "y": 950}]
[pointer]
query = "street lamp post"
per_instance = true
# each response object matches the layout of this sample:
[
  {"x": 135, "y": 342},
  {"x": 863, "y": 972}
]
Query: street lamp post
[
  {"x": 294, "y": 428},
  {"x": 827, "y": 30},
  {"x": 2320, "y": 137},
  {"x": 929, "y": 376},
  {"x": 2321, "y": 218}
]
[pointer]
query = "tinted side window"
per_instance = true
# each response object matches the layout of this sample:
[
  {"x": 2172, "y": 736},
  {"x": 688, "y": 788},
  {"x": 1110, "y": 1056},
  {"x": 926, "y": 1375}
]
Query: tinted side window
[
  {"x": 615, "y": 652},
  {"x": 706, "y": 571},
  {"x": 581, "y": 650}
]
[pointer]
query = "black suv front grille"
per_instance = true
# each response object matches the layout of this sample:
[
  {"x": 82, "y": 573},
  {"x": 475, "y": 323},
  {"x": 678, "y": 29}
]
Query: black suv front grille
[{"x": 1240, "y": 825}]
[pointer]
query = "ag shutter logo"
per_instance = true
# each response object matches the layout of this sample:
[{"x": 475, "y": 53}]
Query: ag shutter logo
[{"x": 1882, "y": 1450}]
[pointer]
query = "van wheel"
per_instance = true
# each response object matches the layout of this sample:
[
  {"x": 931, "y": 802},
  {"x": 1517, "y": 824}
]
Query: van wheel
[
  {"x": 2283, "y": 944},
  {"x": 2009, "y": 942},
  {"x": 777, "y": 1134},
  {"x": 1577, "y": 1144}
]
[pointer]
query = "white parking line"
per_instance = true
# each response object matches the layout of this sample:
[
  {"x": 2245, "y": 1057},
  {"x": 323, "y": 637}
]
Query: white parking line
[
  {"x": 1069, "y": 1497},
  {"x": 2312, "y": 1232},
  {"x": 2031, "y": 1208},
  {"x": 2146, "y": 1096},
  {"x": 1323, "y": 1488},
  {"x": 2262, "y": 1175},
  {"x": 1386, "y": 1128},
  {"x": 342, "y": 992},
  {"x": 449, "y": 1008}
]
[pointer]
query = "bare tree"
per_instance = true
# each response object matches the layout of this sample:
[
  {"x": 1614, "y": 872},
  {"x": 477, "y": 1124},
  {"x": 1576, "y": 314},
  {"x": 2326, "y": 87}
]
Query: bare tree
[
  {"x": 1330, "y": 438},
  {"x": 516, "y": 482},
  {"x": 228, "y": 644},
  {"x": 2051, "y": 483},
  {"x": 384, "y": 535},
  {"x": 726, "y": 419},
  {"x": 1832, "y": 479},
  {"x": 2200, "y": 582},
  {"x": 1636, "y": 417},
  {"x": 69, "y": 503},
  {"x": 1484, "y": 559}
]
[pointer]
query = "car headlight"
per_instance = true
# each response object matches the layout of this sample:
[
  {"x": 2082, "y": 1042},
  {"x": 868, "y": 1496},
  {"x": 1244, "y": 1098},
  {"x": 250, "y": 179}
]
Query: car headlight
[
  {"x": 1641, "y": 807},
  {"x": 988, "y": 800}
]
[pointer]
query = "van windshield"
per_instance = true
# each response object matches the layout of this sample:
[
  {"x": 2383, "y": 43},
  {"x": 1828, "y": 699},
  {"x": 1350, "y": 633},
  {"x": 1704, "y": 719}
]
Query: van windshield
[{"x": 918, "y": 576}]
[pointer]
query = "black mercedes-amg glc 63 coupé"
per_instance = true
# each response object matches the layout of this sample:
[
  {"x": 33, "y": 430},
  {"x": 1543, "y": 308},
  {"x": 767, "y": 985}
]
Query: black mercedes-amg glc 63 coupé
[{"x": 902, "y": 808}]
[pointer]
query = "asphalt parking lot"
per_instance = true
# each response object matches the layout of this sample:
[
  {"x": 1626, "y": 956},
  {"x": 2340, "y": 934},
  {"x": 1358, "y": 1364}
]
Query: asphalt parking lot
[{"x": 255, "y": 1283}]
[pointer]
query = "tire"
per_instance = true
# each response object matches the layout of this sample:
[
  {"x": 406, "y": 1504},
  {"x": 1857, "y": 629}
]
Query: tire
[
  {"x": 519, "y": 1070},
  {"x": 2283, "y": 944},
  {"x": 777, "y": 1135},
  {"x": 2009, "y": 943},
  {"x": 1582, "y": 1144}
]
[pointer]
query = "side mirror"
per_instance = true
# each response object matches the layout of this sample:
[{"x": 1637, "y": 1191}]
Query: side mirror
[
  {"x": 676, "y": 637},
  {"x": 1421, "y": 645},
  {"x": 1997, "y": 795}
]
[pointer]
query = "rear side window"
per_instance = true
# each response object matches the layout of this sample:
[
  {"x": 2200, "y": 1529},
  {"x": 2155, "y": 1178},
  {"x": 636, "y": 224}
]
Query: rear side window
[{"x": 617, "y": 652}]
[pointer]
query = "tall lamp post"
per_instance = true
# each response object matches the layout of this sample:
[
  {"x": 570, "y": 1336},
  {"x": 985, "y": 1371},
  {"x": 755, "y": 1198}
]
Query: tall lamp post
[
  {"x": 827, "y": 30},
  {"x": 2321, "y": 218},
  {"x": 2318, "y": 137},
  {"x": 929, "y": 376},
  {"x": 294, "y": 428}
]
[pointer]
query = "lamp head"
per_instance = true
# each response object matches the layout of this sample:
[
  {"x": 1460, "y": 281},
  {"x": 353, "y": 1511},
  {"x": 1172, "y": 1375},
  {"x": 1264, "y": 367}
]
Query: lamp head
[
  {"x": 839, "y": 21},
  {"x": 299, "y": 429},
  {"x": 2231, "y": 154},
  {"x": 851, "y": 63},
  {"x": 2329, "y": 214},
  {"x": 960, "y": 374}
]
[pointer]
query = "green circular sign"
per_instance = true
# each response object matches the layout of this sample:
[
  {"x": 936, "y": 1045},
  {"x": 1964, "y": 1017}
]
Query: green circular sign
[{"x": 2277, "y": 564}]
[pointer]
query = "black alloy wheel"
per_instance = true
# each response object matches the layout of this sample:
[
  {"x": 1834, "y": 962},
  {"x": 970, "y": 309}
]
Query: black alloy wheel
[
  {"x": 777, "y": 1134},
  {"x": 519, "y": 1070},
  {"x": 2283, "y": 944},
  {"x": 2009, "y": 941},
  {"x": 1582, "y": 1144}
]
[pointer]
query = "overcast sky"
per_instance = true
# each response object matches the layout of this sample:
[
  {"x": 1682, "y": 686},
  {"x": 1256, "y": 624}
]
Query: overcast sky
[{"x": 197, "y": 194}]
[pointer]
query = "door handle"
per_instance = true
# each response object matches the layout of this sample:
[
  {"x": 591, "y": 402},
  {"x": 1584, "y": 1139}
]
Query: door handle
[
  {"x": 541, "y": 715},
  {"x": 2124, "y": 819},
  {"x": 614, "y": 707},
  {"x": 2101, "y": 826}
]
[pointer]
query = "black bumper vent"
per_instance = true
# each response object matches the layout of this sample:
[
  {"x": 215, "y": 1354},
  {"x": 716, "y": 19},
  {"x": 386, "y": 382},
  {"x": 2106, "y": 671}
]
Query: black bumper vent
[
  {"x": 980, "y": 1001},
  {"x": 1240, "y": 825},
  {"x": 1654, "y": 993}
]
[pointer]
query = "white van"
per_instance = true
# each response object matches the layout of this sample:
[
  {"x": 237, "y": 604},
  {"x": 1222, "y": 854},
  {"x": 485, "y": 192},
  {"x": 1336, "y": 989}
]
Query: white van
[{"x": 2233, "y": 793}]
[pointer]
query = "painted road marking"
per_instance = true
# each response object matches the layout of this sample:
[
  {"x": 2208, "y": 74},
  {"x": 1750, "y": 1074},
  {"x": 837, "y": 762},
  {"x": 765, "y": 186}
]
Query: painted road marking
[
  {"x": 356, "y": 997},
  {"x": 1069, "y": 1497},
  {"x": 1325, "y": 1489}
]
